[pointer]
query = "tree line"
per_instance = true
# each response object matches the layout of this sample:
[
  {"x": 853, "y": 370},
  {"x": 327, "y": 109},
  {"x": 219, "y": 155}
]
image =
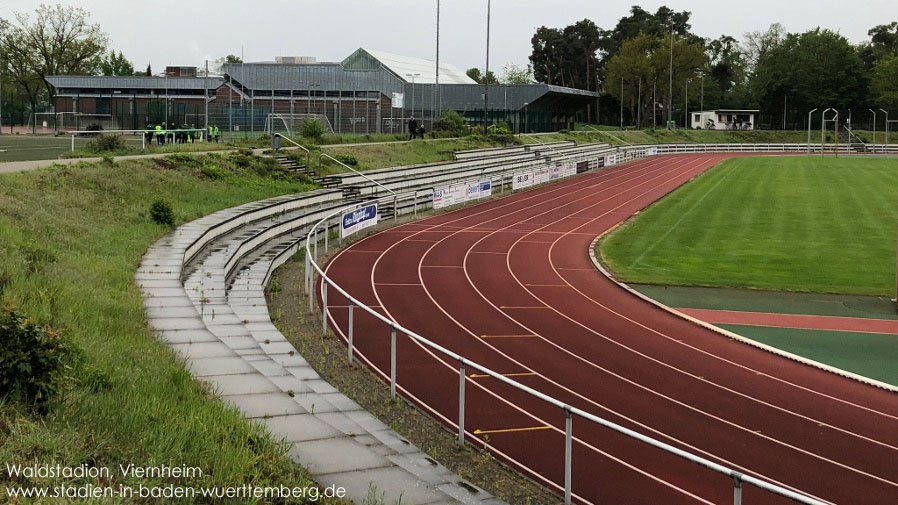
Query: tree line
[{"x": 783, "y": 74}]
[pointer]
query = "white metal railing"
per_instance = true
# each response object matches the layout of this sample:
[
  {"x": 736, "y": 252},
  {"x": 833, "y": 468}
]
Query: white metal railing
[
  {"x": 308, "y": 153},
  {"x": 312, "y": 268}
]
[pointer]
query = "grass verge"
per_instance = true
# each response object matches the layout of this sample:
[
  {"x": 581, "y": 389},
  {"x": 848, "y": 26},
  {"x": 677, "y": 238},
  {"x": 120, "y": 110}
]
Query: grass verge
[{"x": 71, "y": 238}]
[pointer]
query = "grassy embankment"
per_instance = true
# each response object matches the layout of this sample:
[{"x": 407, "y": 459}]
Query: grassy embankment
[{"x": 71, "y": 238}]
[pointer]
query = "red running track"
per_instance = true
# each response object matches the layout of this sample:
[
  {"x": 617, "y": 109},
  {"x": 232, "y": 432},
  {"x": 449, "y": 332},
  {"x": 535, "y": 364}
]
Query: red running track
[{"x": 510, "y": 285}]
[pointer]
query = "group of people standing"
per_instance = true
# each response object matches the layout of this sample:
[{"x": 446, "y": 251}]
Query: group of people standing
[
  {"x": 173, "y": 134},
  {"x": 413, "y": 129}
]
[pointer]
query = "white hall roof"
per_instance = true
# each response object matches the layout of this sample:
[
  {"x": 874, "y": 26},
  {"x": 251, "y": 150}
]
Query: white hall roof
[{"x": 404, "y": 66}]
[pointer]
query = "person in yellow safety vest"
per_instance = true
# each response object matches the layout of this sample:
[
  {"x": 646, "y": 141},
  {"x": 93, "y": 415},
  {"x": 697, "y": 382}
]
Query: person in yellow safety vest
[
  {"x": 160, "y": 134},
  {"x": 209, "y": 135},
  {"x": 217, "y": 134}
]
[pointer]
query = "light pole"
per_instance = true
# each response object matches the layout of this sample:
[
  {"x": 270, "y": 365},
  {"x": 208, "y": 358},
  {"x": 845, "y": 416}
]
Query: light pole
[
  {"x": 525, "y": 116},
  {"x": 621, "y": 103},
  {"x": 874, "y": 130},
  {"x": 702, "y": 102},
  {"x": 887, "y": 129},
  {"x": 413, "y": 90},
  {"x": 809, "y": 131},
  {"x": 437, "y": 87},
  {"x": 309, "y": 105},
  {"x": 686, "y": 108},
  {"x": 670, "y": 84},
  {"x": 486, "y": 75}
]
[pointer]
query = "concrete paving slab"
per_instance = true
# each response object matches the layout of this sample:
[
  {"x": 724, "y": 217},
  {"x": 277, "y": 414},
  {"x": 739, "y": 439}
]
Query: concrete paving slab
[
  {"x": 219, "y": 366},
  {"x": 202, "y": 350},
  {"x": 300, "y": 428},
  {"x": 396, "y": 486},
  {"x": 242, "y": 384},
  {"x": 264, "y": 404},
  {"x": 289, "y": 383},
  {"x": 186, "y": 336},
  {"x": 336, "y": 455}
]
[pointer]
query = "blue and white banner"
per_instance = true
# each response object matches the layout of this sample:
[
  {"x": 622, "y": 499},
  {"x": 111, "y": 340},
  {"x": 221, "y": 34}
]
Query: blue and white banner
[
  {"x": 460, "y": 193},
  {"x": 358, "y": 219},
  {"x": 610, "y": 159},
  {"x": 476, "y": 190},
  {"x": 651, "y": 151}
]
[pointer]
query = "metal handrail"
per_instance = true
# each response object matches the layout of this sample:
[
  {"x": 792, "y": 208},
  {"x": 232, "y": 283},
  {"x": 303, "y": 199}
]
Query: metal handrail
[
  {"x": 311, "y": 263},
  {"x": 308, "y": 153},
  {"x": 352, "y": 170}
]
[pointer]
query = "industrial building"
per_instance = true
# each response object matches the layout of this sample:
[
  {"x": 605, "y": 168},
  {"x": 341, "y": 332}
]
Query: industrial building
[{"x": 368, "y": 92}]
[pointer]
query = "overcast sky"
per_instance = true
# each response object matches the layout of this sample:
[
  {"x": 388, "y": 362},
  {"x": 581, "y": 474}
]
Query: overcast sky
[{"x": 186, "y": 32}]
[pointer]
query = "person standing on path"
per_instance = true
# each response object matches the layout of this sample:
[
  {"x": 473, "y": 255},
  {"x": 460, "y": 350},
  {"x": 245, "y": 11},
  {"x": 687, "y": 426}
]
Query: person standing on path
[{"x": 412, "y": 127}]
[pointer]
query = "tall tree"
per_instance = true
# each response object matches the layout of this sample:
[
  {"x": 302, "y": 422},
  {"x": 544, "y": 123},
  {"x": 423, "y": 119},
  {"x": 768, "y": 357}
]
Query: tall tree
[
  {"x": 644, "y": 61},
  {"x": 149, "y": 70},
  {"x": 477, "y": 75},
  {"x": 515, "y": 74},
  {"x": 818, "y": 68},
  {"x": 884, "y": 82},
  {"x": 116, "y": 65},
  {"x": 884, "y": 39},
  {"x": 726, "y": 63},
  {"x": 56, "y": 40},
  {"x": 758, "y": 43}
]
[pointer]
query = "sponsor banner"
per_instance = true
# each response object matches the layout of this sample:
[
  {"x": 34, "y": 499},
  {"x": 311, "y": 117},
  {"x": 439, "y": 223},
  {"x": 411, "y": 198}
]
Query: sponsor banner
[
  {"x": 582, "y": 166},
  {"x": 522, "y": 180},
  {"x": 541, "y": 175},
  {"x": 448, "y": 196},
  {"x": 477, "y": 190},
  {"x": 610, "y": 159},
  {"x": 651, "y": 151},
  {"x": 358, "y": 219}
]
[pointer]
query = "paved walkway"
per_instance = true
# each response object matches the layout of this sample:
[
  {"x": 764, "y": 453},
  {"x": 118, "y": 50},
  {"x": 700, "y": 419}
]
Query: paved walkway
[{"x": 227, "y": 339}]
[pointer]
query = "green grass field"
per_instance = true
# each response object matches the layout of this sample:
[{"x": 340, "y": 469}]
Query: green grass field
[{"x": 789, "y": 223}]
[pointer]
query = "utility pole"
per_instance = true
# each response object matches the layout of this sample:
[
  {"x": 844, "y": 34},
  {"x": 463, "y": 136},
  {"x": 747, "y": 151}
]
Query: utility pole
[
  {"x": 486, "y": 75},
  {"x": 437, "y": 89},
  {"x": 621, "y": 103},
  {"x": 670, "y": 85},
  {"x": 686, "y": 108},
  {"x": 205, "y": 97},
  {"x": 874, "y": 130}
]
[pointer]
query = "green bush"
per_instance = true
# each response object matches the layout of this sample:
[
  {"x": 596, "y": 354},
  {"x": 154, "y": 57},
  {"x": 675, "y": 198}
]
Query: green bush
[
  {"x": 311, "y": 129},
  {"x": 107, "y": 142},
  {"x": 31, "y": 360},
  {"x": 213, "y": 171},
  {"x": 347, "y": 159},
  {"x": 162, "y": 213},
  {"x": 451, "y": 122}
]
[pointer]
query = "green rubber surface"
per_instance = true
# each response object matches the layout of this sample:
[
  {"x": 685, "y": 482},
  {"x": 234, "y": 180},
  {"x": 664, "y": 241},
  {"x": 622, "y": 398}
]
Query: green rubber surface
[{"x": 872, "y": 355}]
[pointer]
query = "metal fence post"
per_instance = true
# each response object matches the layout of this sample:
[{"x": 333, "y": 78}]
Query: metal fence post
[
  {"x": 392, "y": 362},
  {"x": 737, "y": 489},
  {"x": 395, "y": 208},
  {"x": 350, "y": 331},
  {"x": 308, "y": 272},
  {"x": 324, "y": 306},
  {"x": 326, "y": 233},
  {"x": 461, "y": 403},
  {"x": 568, "y": 426}
]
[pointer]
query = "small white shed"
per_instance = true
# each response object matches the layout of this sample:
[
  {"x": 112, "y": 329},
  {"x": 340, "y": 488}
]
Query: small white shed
[{"x": 724, "y": 119}]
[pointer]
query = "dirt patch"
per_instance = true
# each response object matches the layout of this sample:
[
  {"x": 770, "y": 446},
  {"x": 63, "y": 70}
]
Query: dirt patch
[{"x": 327, "y": 355}]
